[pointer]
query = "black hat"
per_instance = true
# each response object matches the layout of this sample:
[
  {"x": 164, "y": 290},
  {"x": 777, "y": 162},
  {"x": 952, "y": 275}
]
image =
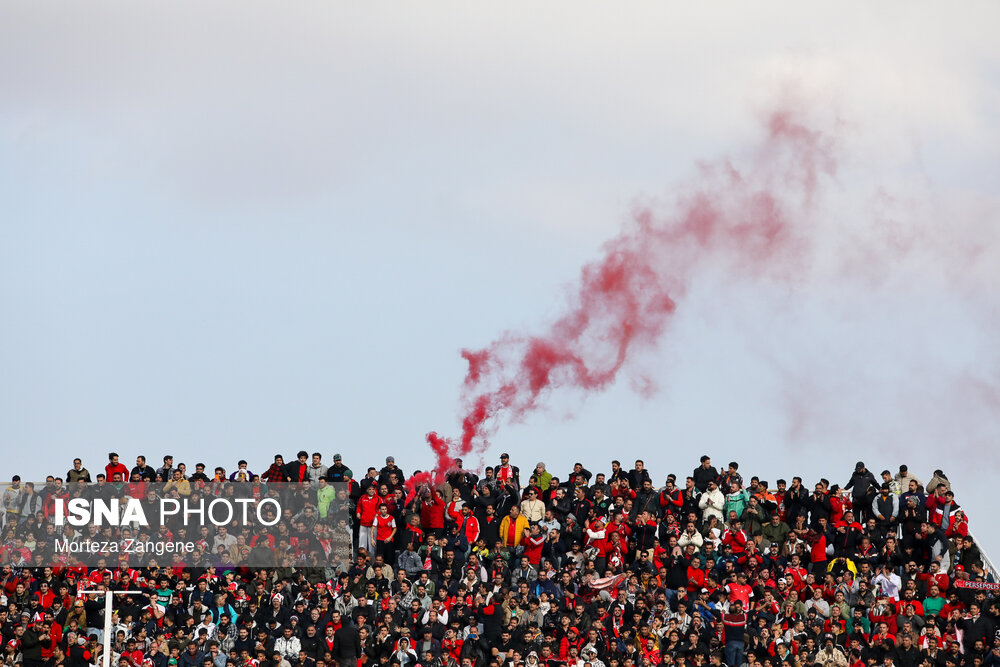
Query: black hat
[{"x": 859, "y": 465}]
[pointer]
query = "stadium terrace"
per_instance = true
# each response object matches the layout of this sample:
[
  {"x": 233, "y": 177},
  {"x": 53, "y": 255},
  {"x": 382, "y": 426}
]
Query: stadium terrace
[{"x": 347, "y": 564}]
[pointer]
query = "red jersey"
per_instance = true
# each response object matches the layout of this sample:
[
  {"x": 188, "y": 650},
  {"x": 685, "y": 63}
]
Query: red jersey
[
  {"x": 533, "y": 548},
  {"x": 384, "y": 526},
  {"x": 119, "y": 468},
  {"x": 368, "y": 508}
]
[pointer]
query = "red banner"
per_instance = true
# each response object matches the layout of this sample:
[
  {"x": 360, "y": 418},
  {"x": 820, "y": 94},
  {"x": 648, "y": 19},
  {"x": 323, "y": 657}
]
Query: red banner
[{"x": 977, "y": 585}]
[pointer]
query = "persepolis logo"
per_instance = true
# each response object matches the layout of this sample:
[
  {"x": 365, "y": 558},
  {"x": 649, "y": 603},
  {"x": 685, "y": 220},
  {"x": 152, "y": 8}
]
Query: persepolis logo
[{"x": 130, "y": 512}]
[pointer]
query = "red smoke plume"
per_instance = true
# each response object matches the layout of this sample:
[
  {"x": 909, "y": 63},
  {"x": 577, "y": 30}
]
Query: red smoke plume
[{"x": 752, "y": 221}]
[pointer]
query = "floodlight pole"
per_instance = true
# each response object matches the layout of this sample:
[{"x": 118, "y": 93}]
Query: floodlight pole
[{"x": 108, "y": 599}]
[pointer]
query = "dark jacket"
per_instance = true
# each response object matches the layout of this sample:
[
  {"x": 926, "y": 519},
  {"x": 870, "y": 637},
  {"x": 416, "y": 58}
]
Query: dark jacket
[
  {"x": 31, "y": 645},
  {"x": 819, "y": 507},
  {"x": 862, "y": 484},
  {"x": 637, "y": 477},
  {"x": 795, "y": 504},
  {"x": 907, "y": 658},
  {"x": 294, "y": 470},
  {"x": 188, "y": 660},
  {"x": 703, "y": 476},
  {"x": 347, "y": 643}
]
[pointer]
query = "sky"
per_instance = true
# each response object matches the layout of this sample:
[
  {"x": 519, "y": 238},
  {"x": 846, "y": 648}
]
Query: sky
[{"x": 234, "y": 229}]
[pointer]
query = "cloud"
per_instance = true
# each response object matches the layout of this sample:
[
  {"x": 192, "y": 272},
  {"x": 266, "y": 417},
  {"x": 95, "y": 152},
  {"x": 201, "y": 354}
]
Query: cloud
[{"x": 249, "y": 224}]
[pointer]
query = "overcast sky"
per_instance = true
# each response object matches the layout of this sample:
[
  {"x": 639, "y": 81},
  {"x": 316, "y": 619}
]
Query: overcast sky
[{"x": 233, "y": 229}]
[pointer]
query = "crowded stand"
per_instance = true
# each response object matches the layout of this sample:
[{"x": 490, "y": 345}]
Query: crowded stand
[{"x": 512, "y": 568}]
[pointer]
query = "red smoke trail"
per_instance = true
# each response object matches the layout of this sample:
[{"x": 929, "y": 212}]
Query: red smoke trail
[{"x": 750, "y": 221}]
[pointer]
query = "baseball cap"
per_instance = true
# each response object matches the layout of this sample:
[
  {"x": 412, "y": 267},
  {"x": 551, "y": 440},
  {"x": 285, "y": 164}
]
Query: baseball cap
[{"x": 338, "y": 457}]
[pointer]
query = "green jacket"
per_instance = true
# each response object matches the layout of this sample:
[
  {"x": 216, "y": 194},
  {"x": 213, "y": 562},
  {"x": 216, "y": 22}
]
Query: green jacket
[
  {"x": 324, "y": 496},
  {"x": 544, "y": 480},
  {"x": 866, "y": 625},
  {"x": 735, "y": 502},
  {"x": 753, "y": 523},
  {"x": 772, "y": 533}
]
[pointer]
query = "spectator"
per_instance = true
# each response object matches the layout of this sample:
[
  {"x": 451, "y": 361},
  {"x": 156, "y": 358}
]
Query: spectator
[
  {"x": 507, "y": 474},
  {"x": 712, "y": 502},
  {"x": 862, "y": 485},
  {"x": 78, "y": 473},
  {"x": 115, "y": 468},
  {"x": 513, "y": 527},
  {"x": 704, "y": 474}
]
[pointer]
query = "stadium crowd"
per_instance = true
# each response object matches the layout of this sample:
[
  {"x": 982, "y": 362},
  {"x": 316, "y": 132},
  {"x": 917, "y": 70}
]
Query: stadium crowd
[{"x": 521, "y": 569}]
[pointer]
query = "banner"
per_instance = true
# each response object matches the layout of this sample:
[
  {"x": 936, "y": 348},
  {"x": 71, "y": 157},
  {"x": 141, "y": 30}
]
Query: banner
[
  {"x": 977, "y": 585},
  {"x": 220, "y": 523},
  {"x": 608, "y": 582}
]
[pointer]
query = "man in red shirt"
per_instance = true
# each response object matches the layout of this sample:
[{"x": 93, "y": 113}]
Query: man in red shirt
[
  {"x": 736, "y": 537},
  {"x": 432, "y": 512},
  {"x": 533, "y": 543},
  {"x": 367, "y": 510},
  {"x": 469, "y": 524},
  {"x": 740, "y": 590},
  {"x": 384, "y": 527},
  {"x": 506, "y": 473},
  {"x": 935, "y": 576},
  {"x": 114, "y": 466}
]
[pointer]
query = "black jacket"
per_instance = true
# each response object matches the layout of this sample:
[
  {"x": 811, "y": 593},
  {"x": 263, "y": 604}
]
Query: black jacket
[
  {"x": 702, "y": 476},
  {"x": 347, "y": 643},
  {"x": 862, "y": 484},
  {"x": 294, "y": 469},
  {"x": 907, "y": 658},
  {"x": 637, "y": 477},
  {"x": 819, "y": 507},
  {"x": 795, "y": 504},
  {"x": 31, "y": 645}
]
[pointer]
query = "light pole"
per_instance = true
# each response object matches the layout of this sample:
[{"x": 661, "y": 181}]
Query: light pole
[{"x": 108, "y": 599}]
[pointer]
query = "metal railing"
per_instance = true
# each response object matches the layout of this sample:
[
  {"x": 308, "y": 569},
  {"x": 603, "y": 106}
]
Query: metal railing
[{"x": 987, "y": 563}]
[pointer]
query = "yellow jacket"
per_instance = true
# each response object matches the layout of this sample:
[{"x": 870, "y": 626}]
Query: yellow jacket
[{"x": 519, "y": 528}]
